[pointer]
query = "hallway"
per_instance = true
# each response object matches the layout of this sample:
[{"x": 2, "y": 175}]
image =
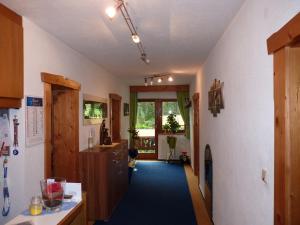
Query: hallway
[{"x": 158, "y": 194}]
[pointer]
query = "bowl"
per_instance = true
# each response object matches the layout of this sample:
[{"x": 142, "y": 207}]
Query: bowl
[{"x": 53, "y": 192}]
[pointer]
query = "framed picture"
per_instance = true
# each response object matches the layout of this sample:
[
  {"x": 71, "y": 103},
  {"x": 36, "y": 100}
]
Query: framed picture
[{"x": 126, "y": 109}]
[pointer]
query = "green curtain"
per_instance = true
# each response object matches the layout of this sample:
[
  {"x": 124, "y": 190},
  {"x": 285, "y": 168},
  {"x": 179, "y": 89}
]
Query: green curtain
[
  {"x": 181, "y": 96},
  {"x": 133, "y": 111}
]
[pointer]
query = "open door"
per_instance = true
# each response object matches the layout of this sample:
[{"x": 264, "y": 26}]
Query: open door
[
  {"x": 285, "y": 46},
  {"x": 61, "y": 127}
]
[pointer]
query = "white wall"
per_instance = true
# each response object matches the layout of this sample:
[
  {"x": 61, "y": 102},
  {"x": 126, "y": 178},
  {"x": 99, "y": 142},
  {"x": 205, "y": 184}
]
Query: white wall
[
  {"x": 45, "y": 53},
  {"x": 241, "y": 137}
]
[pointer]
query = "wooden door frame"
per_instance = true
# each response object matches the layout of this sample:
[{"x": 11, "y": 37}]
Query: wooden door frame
[
  {"x": 57, "y": 80},
  {"x": 196, "y": 140},
  {"x": 113, "y": 96},
  {"x": 280, "y": 44}
]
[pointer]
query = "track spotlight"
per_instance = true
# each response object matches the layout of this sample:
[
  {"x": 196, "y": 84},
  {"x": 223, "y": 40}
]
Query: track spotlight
[
  {"x": 111, "y": 12},
  {"x": 121, "y": 6},
  {"x": 170, "y": 79},
  {"x": 136, "y": 38},
  {"x": 159, "y": 77}
]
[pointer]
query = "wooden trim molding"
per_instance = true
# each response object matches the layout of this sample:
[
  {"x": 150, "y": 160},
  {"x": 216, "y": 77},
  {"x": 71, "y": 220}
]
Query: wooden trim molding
[
  {"x": 196, "y": 133},
  {"x": 60, "y": 80},
  {"x": 48, "y": 129},
  {"x": 10, "y": 14},
  {"x": 287, "y": 35},
  {"x": 160, "y": 88},
  {"x": 115, "y": 96}
]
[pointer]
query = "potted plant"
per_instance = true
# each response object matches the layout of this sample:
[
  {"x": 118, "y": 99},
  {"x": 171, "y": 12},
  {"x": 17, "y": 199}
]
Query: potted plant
[{"x": 172, "y": 127}]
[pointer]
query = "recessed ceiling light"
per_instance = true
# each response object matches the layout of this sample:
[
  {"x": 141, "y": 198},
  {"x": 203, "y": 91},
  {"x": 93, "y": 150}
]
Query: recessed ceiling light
[{"x": 170, "y": 79}]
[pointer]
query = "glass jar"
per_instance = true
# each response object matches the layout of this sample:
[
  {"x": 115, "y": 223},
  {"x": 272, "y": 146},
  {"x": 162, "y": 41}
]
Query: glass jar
[
  {"x": 36, "y": 206},
  {"x": 53, "y": 193}
]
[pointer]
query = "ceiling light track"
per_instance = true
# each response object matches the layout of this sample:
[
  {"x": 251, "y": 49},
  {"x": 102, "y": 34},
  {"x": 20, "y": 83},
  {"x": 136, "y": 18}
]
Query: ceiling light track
[
  {"x": 158, "y": 77},
  {"x": 111, "y": 12}
]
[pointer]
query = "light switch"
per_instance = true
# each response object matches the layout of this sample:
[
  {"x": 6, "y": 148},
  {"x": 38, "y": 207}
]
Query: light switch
[{"x": 264, "y": 175}]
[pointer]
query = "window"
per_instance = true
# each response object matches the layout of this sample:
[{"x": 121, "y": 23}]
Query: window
[
  {"x": 169, "y": 107},
  {"x": 146, "y": 119}
]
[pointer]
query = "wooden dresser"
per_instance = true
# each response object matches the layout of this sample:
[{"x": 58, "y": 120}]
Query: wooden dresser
[{"x": 104, "y": 176}]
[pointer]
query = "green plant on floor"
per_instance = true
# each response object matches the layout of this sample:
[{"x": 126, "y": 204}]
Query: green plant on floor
[{"x": 172, "y": 127}]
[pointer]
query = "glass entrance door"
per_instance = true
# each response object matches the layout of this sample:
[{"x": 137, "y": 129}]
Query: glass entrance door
[{"x": 146, "y": 126}]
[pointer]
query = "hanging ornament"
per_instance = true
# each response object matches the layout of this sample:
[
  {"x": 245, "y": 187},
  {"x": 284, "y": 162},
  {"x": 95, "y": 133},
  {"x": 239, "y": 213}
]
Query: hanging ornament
[{"x": 16, "y": 142}]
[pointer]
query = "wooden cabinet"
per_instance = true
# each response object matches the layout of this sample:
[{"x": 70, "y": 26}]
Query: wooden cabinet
[
  {"x": 11, "y": 59},
  {"x": 104, "y": 176}
]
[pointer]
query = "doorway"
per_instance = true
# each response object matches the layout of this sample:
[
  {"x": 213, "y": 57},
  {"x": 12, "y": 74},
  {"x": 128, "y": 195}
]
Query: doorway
[
  {"x": 152, "y": 116},
  {"x": 115, "y": 117},
  {"x": 61, "y": 98}
]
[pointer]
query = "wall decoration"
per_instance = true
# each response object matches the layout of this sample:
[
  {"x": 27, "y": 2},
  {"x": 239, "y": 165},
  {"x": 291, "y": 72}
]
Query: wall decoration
[
  {"x": 126, "y": 109},
  {"x": 34, "y": 120},
  {"x": 5, "y": 140},
  {"x": 215, "y": 97}
]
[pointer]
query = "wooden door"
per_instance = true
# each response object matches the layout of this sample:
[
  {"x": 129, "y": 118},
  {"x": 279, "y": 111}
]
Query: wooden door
[
  {"x": 115, "y": 117},
  {"x": 196, "y": 129},
  {"x": 64, "y": 134},
  {"x": 148, "y": 136}
]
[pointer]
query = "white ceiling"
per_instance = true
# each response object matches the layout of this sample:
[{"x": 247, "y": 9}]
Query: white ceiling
[{"x": 177, "y": 34}]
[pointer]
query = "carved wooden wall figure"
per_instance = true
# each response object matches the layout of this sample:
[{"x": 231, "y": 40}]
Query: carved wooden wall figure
[{"x": 215, "y": 97}]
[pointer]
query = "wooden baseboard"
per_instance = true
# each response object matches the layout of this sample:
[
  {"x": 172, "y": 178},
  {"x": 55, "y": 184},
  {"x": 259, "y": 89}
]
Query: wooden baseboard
[{"x": 201, "y": 213}]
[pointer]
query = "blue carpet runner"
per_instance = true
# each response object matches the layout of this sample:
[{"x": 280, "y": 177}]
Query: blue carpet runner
[{"x": 158, "y": 195}]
